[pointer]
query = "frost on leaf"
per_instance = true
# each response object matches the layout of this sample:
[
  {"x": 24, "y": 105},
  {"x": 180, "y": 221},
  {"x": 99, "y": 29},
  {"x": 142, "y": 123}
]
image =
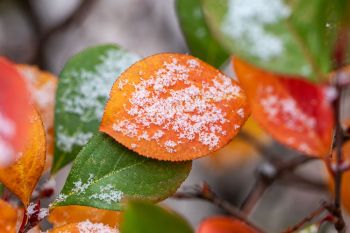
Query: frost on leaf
[
  {"x": 297, "y": 113},
  {"x": 246, "y": 21},
  {"x": 83, "y": 92},
  {"x": 94, "y": 85},
  {"x": 174, "y": 107},
  {"x": 85, "y": 227}
]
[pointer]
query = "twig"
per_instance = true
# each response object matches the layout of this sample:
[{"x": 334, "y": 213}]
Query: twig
[
  {"x": 339, "y": 224},
  {"x": 267, "y": 175},
  {"x": 204, "y": 192},
  {"x": 305, "y": 220}
]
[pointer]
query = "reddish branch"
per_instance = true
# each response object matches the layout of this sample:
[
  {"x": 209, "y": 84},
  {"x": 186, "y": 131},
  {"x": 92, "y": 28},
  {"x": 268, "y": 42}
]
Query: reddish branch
[
  {"x": 307, "y": 219},
  {"x": 204, "y": 192}
]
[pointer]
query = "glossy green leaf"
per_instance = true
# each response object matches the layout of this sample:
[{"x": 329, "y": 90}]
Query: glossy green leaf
[
  {"x": 290, "y": 37},
  {"x": 196, "y": 32},
  {"x": 82, "y": 92},
  {"x": 105, "y": 173},
  {"x": 142, "y": 217}
]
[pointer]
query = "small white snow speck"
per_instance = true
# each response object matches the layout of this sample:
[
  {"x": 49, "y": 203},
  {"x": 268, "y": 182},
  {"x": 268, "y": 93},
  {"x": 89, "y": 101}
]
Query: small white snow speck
[
  {"x": 80, "y": 187},
  {"x": 240, "y": 112}
]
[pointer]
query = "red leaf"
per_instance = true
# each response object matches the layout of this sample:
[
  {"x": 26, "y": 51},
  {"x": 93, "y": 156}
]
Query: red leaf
[
  {"x": 222, "y": 224},
  {"x": 14, "y": 107},
  {"x": 294, "y": 111}
]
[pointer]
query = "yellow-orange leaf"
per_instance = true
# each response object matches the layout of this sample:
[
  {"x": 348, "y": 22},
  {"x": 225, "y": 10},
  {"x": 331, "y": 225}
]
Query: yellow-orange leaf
[
  {"x": 86, "y": 227},
  {"x": 295, "y": 112},
  {"x": 63, "y": 215},
  {"x": 222, "y": 224},
  {"x": 8, "y": 217},
  {"x": 22, "y": 176},
  {"x": 174, "y": 107},
  {"x": 43, "y": 89}
]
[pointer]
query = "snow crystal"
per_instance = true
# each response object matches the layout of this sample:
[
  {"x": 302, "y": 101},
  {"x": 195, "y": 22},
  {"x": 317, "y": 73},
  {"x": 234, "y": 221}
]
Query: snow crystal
[
  {"x": 94, "y": 86},
  {"x": 108, "y": 194},
  {"x": 246, "y": 21},
  {"x": 80, "y": 187},
  {"x": 31, "y": 208},
  {"x": 43, "y": 213},
  {"x": 66, "y": 142},
  {"x": 191, "y": 112},
  {"x": 89, "y": 227},
  {"x": 240, "y": 112},
  {"x": 61, "y": 198}
]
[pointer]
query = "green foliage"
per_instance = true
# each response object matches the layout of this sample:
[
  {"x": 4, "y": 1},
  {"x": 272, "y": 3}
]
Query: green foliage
[
  {"x": 142, "y": 217},
  {"x": 83, "y": 90},
  {"x": 291, "y": 37},
  {"x": 197, "y": 34},
  {"x": 105, "y": 173}
]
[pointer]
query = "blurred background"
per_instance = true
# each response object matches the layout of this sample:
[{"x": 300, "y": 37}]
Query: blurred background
[{"x": 46, "y": 33}]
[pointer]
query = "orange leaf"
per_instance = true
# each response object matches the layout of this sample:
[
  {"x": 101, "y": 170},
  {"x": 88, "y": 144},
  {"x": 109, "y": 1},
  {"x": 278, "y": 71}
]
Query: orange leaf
[
  {"x": 222, "y": 224},
  {"x": 22, "y": 176},
  {"x": 42, "y": 86},
  {"x": 63, "y": 215},
  {"x": 174, "y": 107},
  {"x": 86, "y": 227},
  {"x": 295, "y": 112},
  {"x": 14, "y": 104},
  {"x": 8, "y": 217}
]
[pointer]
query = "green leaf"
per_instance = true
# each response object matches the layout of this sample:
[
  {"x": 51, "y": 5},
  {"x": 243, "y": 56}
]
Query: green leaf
[
  {"x": 294, "y": 37},
  {"x": 83, "y": 90},
  {"x": 199, "y": 39},
  {"x": 142, "y": 217},
  {"x": 105, "y": 173},
  {"x": 1, "y": 189}
]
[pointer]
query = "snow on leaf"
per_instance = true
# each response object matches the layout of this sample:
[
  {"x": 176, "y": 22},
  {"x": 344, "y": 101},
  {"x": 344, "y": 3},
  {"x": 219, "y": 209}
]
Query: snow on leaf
[
  {"x": 84, "y": 227},
  {"x": 295, "y": 112},
  {"x": 179, "y": 108},
  {"x": 83, "y": 89},
  {"x": 97, "y": 178}
]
